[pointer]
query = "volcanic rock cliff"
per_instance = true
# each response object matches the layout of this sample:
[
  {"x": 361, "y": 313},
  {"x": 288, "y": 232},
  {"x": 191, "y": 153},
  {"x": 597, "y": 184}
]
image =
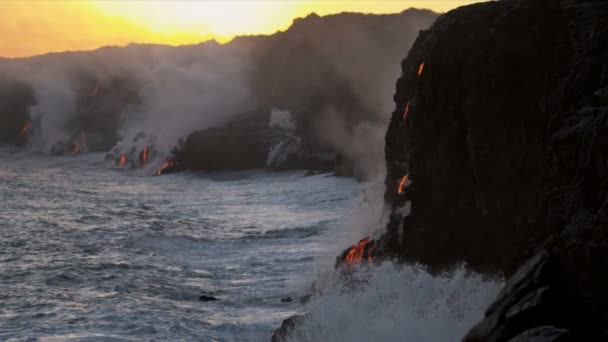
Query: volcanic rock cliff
[
  {"x": 501, "y": 127},
  {"x": 505, "y": 141}
]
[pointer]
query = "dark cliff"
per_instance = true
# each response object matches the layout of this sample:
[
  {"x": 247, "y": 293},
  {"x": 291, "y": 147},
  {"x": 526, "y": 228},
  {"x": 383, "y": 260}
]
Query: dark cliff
[
  {"x": 506, "y": 144},
  {"x": 501, "y": 127}
]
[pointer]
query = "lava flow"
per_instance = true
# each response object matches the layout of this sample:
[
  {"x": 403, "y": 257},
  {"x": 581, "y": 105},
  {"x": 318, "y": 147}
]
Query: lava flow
[
  {"x": 402, "y": 184},
  {"x": 123, "y": 159},
  {"x": 75, "y": 148},
  {"x": 144, "y": 156},
  {"x": 25, "y": 130},
  {"x": 407, "y": 109},
  {"x": 167, "y": 164},
  {"x": 354, "y": 254},
  {"x": 420, "y": 69}
]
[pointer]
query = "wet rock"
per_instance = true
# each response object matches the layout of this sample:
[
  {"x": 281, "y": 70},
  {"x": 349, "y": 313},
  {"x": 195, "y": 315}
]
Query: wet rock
[
  {"x": 287, "y": 327},
  {"x": 286, "y": 300},
  {"x": 305, "y": 299},
  {"x": 206, "y": 298},
  {"x": 498, "y": 174},
  {"x": 506, "y": 143},
  {"x": 544, "y": 334},
  {"x": 528, "y": 299}
]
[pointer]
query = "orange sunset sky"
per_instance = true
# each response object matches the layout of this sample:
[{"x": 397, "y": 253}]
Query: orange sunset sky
[{"x": 31, "y": 27}]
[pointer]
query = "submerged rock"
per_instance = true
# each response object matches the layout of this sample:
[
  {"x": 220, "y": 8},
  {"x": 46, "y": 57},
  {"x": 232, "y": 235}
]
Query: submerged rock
[
  {"x": 287, "y": 327},
  {"x": 206, "y": 298}
]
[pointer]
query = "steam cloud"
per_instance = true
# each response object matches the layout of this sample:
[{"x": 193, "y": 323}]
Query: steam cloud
[{"x": 156, "y": 91}]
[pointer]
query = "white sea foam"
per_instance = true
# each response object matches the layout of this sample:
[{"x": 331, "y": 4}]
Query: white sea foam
[{"x": 398, "y": 303}]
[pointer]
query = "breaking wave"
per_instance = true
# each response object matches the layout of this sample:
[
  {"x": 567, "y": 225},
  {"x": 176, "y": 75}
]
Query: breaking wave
[{"x": 398, "y": 303}]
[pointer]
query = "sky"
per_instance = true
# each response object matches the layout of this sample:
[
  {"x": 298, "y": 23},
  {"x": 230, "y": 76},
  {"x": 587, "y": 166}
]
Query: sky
[{"x": 33, "y": 27}]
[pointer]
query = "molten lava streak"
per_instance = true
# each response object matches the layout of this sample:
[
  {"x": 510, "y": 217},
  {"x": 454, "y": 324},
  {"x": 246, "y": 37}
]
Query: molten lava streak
[
  {"x": 402, "y": 185},
  {"x": 144, "y": 156},
  {"x": 123, "y": 159},
  {"x": 355, "y": 253},
  {"x": 25, "y": 130},
  {"x": 407, "y": 109},
  {"x": 166, "y": 164},
  {"x": 420, "y": 69},
  {"x": 75, "y": 148}
]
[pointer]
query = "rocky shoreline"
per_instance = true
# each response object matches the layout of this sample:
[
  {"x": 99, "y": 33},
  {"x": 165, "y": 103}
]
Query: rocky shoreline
[{"x": 501, "y": 127}]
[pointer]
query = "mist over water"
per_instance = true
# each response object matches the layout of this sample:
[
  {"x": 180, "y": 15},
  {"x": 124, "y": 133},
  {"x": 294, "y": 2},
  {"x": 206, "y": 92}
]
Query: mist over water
[
  {"x": 398, "y": 303},
  {"x": 91, "y": 252}
]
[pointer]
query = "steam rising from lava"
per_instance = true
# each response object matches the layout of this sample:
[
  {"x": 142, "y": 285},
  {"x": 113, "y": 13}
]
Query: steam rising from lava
[
  {"x": 120, "y": 93},
  {"x": 26, "y": 128}
]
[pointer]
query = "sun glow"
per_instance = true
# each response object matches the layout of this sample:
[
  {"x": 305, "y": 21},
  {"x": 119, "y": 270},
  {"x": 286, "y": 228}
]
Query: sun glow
[{"x": 35, "y": 27}]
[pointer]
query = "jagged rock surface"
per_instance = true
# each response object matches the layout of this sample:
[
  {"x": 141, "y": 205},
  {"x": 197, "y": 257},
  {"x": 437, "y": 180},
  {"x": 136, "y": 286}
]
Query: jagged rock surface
[{"x": 506, "y": 142}]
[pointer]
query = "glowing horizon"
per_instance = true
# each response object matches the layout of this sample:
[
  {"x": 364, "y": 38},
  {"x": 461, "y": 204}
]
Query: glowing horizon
[{"x": 37, "y": 27}]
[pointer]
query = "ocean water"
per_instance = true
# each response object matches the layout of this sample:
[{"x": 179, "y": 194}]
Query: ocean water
[{"x": 93, "y": 252}]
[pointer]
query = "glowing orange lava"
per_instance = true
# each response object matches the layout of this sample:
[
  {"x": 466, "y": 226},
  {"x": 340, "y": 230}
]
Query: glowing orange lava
[
  {"x": 407, "y": 109},
  {"x": 402, "y": 184},
  {"x": 123, "y": 159},
  {"x": 144, "y": 156},
  {"x": 355, "y": 253},
  {"x": 166, "y": 164},
  {"x": 25, "y": 130},
  {"x": 420, "y": 69},
  {"x": 75, "y": 148}
]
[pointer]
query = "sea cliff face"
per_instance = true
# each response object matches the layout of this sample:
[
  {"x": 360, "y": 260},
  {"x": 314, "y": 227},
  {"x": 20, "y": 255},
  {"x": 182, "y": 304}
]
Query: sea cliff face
[
  {"x": 505, "y": 142},
  {"x": 499, "y": 143}
]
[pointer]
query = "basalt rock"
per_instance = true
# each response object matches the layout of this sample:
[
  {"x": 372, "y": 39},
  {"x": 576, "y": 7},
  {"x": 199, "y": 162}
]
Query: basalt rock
[
  {"x": 206, "y": 298},
  {"x": 506, "y": 144},
  {"x": 247, "y": 142},
  {"x": 287, "y": 327},
  {"x": 15, "y": 123},
  {"x": 536, "y": 304}
]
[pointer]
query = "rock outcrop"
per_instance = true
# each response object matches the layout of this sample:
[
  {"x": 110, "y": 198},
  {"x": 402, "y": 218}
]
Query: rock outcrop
[
  {"x": 505, "y": 141},
  {"x": 330, "y": 73},
  {"x": 501, "y": 125},
  {"x": 17, "y": 97}
]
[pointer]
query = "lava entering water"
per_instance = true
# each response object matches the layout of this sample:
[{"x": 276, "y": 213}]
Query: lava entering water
[
  {"x": 25, "y": 130},
  {"x": 402, "y": 184},
  {"x": 355, "y": 253},
  {"x": 420, "y": 69},
  {"x": 407, "y": 109},
  {"x": 144, "y": 156},
  {"x": 166, "y": 164},
  {"x": 123, "y": 159}
]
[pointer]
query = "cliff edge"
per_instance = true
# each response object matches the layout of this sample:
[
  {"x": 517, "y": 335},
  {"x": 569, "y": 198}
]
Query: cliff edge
[{"x": 501, "y": 127}]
